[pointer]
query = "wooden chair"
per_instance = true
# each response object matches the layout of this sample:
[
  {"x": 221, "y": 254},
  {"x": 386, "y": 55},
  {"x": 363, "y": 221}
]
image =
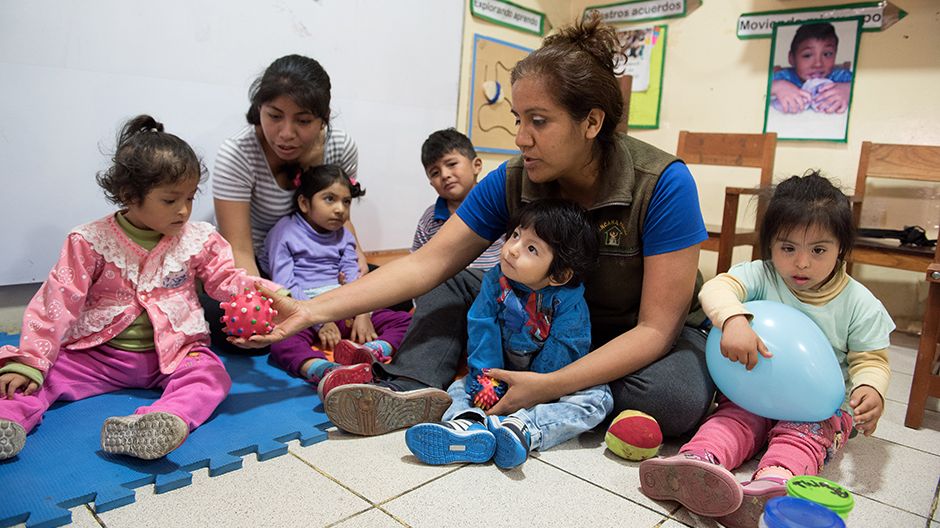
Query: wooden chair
[
  {"x": 926, "y": 379},
  {"x": 917, "y": 163},
  {"x": 731, "y": 150},
  {"x": 895, "y": 162}
]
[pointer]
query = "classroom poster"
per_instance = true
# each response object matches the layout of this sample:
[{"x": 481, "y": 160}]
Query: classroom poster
[
  {"x": 636, "y": 47},
  {"x": 492, "y": 127},
  {"x": 812, "y": 73},
  {"x": 643, "y": 55}
]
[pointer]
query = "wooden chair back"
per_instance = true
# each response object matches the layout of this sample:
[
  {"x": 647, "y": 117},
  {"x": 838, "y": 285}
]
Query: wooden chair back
[
  {"x": 731, "y": 150},
  {"x": 917, "y": 163}
]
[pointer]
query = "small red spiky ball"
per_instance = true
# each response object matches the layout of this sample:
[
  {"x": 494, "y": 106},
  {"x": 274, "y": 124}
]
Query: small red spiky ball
[
  {"x": 491, "y": 390},
  {"x": 247, "y": 314}
]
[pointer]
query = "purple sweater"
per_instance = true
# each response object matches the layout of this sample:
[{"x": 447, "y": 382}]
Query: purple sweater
[{"x": 301, "y": 258}]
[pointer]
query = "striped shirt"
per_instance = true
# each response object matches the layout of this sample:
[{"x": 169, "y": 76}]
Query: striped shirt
[
  {"x": 432, "y": 220},
  {"x": 241, "y": 174}
]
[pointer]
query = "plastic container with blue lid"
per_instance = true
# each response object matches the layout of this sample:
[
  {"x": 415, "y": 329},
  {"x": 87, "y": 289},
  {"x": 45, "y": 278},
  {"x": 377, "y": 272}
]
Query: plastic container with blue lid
[{"x": 791, "y": 512}]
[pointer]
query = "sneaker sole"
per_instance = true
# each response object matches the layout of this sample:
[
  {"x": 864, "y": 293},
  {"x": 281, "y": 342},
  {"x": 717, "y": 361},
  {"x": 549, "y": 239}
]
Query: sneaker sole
[
  {"x": 151, "y": 436},
  {"x": 509, "y": 452},
  {"x": 703, "y": 488},
  {"x": 359, "y": 374},
  {"x": 752, "y": 507},
  {"x": 370, "y": 410},
  {"x": 437, "y": 445},
  {"x": 347, "y": 354},
  {"x": 12, "y": 439}
]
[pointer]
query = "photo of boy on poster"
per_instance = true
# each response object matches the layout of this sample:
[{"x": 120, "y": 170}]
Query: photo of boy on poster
[{"x": 809, "y": 87}]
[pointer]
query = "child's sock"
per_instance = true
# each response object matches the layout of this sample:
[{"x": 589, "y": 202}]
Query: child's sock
[
  {"x": 12, "y": 439},
  {"x": 778, "y": 472},
  {"x": 381, "y": 349},
  {"x": 318, "y": 368}
]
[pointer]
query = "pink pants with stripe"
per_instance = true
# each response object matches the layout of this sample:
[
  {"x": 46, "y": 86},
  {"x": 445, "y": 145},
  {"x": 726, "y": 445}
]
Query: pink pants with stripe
[
  {"x": 192, "y": 391},
  {"x": 734, "y": 435}
]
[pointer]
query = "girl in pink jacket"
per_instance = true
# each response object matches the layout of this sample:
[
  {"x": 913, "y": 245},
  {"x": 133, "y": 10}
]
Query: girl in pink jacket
[{"x": 119, "y": 309}]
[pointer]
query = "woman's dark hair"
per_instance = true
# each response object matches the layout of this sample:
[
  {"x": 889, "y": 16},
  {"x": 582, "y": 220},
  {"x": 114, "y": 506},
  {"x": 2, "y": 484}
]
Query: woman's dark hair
[
  {"x": 815, "y": 30},
  {"x": 443, "y": 142},
  {"x": 577, "y": 65},
  {"x": 565, "y": 227},
  {"x": 298, "y": 77},
  {"x": 800, "y": 202},
  {"x": 317, "y": 178},
  {"x": 147, "y": 157}
]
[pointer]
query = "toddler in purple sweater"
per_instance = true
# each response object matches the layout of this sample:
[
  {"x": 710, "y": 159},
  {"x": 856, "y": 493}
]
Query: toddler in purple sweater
[{"x": 311, "y": 252}]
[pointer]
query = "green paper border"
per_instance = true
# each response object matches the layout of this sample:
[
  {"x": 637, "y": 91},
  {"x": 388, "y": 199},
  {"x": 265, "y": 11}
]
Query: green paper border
[
  {"x": 510, "y": 26},
  {"x": 901, "y": 14},
  {"x": 770, "y": 76},
  {"x": 685, "y": 11}
]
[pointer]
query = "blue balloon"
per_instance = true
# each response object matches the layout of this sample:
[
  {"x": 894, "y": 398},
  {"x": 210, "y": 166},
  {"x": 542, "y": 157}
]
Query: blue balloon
[{"x": 802, "y": 382}]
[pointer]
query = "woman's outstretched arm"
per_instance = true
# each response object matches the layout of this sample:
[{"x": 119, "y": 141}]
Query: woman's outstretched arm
[{"x": 452, "y": 249}]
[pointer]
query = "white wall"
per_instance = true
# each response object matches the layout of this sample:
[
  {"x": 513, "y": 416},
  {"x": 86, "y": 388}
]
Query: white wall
[{"x": 73, "y": 71}]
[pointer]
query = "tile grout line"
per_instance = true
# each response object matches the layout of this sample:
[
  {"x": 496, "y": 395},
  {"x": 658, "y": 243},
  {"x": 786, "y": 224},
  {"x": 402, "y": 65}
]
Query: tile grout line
[
  {"x": 94, "y": 515},
  {"x": 614, "y": 493},
  {"x": 373, "y": 505},
  {"x": 919, "y": 450},
  {"x": 933, "y": 505}
]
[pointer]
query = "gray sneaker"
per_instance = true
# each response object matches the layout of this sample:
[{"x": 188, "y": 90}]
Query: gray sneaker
[
  {"x": 370, "y": 410},
  {"x": 12, "y": 439},
  {"x": 146, "y": 436}
]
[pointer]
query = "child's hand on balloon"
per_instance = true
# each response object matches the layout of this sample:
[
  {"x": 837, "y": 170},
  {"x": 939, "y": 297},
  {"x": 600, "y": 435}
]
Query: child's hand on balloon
[
  {"x": 867, "y": 407},
  {"x": 739, "y": 342}
]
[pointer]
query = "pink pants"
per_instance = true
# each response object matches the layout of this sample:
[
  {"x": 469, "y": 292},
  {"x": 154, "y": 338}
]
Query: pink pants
[
  {"x": 192, "y": 391},
  {"x": 734, "y": 435}
]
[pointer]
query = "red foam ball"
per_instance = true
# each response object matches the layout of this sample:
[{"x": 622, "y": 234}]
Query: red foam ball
[{"x": 247, "y": 314}]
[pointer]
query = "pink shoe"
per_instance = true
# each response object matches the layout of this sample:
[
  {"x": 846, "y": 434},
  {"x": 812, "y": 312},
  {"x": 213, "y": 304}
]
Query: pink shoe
[
  {"x": 348, "y": 352},
  {"x": 702, "y": 487},
  {"x": 756, "y": 494},
  {"x": 361, "y": 373}
]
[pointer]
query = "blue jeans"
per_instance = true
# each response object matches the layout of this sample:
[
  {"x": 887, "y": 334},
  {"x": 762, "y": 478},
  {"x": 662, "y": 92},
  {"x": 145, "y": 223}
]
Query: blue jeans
[{"x": 549, "y": 424}]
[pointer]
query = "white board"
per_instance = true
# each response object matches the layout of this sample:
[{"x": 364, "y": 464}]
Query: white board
[{"x": 73, "y": 70}]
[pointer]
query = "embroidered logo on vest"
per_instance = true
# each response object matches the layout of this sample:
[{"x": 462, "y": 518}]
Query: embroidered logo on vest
[{"x": 612, "y": 233}]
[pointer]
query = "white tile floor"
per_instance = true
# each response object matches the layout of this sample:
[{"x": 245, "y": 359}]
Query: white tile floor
[{"x": 349, "y": 481}]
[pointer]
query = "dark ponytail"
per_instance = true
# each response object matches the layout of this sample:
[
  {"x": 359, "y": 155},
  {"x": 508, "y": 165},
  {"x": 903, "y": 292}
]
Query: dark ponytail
[{"x": 146, "y": 157}]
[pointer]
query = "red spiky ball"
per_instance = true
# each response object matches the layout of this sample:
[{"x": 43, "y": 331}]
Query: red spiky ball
[
  {"x": 247, "y": 314},
  {"x": 491, "y": 390}
]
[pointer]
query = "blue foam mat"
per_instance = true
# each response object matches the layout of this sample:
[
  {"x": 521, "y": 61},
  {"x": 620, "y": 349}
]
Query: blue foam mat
[{"x": 63, "y": 466}]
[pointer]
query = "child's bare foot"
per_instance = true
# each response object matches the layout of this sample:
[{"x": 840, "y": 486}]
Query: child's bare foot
[
  {"x": 12, "y": 439},
  {"x": 146, "y": 436}
]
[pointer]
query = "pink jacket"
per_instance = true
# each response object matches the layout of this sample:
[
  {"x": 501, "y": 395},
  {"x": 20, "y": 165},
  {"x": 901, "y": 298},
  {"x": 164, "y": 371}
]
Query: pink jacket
[{"x": 104, "y": 280}]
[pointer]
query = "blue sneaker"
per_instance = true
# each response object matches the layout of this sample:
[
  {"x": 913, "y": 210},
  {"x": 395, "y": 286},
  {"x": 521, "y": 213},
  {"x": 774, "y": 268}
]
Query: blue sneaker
[
  {"x": 512, "y": 441},
  {"x": 450, "y": 442}
]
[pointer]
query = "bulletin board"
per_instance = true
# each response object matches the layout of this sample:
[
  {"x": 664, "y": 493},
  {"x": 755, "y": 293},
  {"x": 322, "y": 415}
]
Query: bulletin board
[
  {"x": 491, "y": 124},
  {"x": 645, "y": 100}
]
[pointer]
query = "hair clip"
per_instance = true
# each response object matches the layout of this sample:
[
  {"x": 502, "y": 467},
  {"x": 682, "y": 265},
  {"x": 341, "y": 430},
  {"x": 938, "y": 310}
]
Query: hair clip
[
  {"x": 154, "y": 129},
  {"x": 297, "y": 179},
  {"x": 352, "y": 180}
]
